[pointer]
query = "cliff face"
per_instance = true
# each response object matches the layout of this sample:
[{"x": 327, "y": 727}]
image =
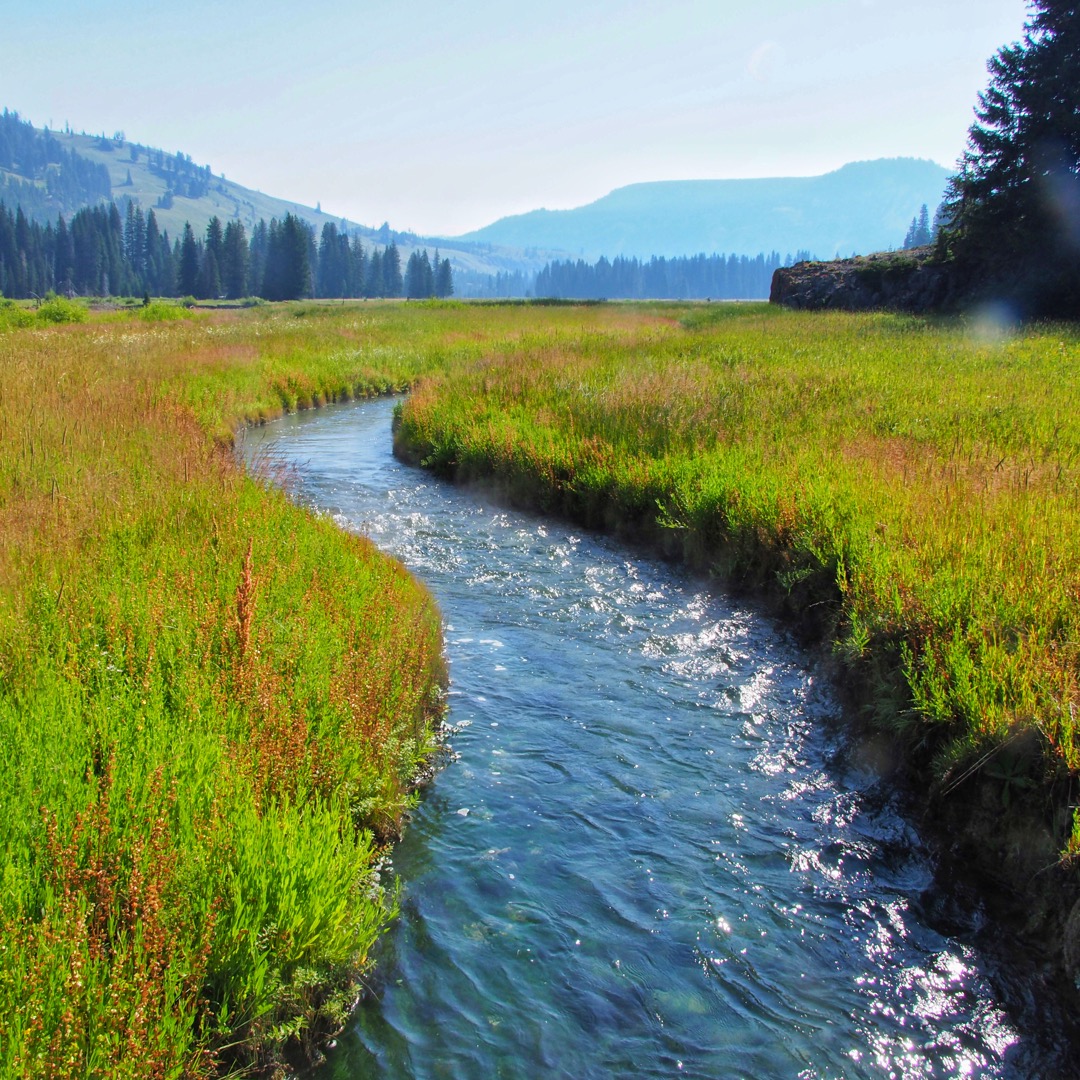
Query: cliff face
[{"x": 894, "y": 281}]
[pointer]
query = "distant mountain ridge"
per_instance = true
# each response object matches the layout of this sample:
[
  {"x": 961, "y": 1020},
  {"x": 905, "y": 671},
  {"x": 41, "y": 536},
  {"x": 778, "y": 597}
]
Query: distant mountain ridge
[
  {"x": 864, "y": 206},
  {"x": 861, "y": 207}
]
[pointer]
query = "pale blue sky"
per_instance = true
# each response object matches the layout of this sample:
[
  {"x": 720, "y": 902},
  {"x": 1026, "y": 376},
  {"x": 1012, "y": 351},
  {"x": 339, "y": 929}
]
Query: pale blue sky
[{"x": 443, "y": 116}]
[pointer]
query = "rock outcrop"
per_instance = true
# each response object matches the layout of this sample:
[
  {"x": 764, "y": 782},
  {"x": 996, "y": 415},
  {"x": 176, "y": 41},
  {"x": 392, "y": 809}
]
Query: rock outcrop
[{"x": 894, "y": 281}]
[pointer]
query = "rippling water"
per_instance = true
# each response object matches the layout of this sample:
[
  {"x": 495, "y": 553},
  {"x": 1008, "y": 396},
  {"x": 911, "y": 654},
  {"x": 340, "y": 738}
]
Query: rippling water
[{"x": 650, "y": 855}]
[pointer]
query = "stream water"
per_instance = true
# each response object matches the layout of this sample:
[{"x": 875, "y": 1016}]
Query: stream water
[{"x": 651, "y": 854}]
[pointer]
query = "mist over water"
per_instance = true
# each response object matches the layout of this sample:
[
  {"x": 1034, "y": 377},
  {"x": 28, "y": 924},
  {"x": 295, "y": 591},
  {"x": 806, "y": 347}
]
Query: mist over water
[{"x": 650, "y": 855}]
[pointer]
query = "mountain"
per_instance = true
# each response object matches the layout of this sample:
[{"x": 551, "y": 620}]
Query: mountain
[
  {"x": 862, "y": 207},
  {"x": 58, "y": 172}
]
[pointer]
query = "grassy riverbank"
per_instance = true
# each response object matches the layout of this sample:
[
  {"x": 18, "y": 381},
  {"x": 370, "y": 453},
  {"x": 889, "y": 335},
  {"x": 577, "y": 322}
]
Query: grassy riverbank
[
  {"x": 908, "y": 488},
  {"x": 213, "y": 705}
]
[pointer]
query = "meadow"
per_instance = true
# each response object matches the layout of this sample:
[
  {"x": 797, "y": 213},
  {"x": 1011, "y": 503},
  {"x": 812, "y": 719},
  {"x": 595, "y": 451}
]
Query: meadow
[
  {"x": 214, "y": 706},
  {"x": 907, "y": 489}
]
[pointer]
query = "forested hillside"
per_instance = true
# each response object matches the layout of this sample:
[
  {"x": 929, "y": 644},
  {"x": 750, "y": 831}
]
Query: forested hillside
[
  {"x": 41, "y": 176},
  {"x": 49, "y": 173},
  {"x": 102, "y": 254}
]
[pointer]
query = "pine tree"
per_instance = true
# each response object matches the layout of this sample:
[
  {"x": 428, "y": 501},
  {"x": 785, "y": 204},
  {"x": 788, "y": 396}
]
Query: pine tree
[
  {"x": 260, "y": 243},
  {"x": 918, "y": 233},
  {"x": 419, "y": 276},
  {"x": 922, "y": 230},
  {"x": 373, "y": 280},
  {"x": 288, "y": 263},
  {"x": 1012, "y": 216},
  {"x": 209, "y": 283},
  {"x": 393, "y": 284},
  {"x": 358, "y": 268},
  {"x": 411, "y": 276},
  {"x": 214, "y": 237},
  {"x": 234, "y": 261},
  {"x": 444, "y": 277},
  {"x": 333, "y": 274},
  {"x": 63, "y": 259},
  {"x": 159, "y": 274},
  {"x": 187, "y": 276}
]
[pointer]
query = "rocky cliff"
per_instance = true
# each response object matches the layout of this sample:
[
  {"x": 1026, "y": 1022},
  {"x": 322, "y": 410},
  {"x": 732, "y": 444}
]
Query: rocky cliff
[{"x": 895, "y": 281}]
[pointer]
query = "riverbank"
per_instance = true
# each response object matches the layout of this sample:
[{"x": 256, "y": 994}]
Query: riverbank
[
  {"x": 213, "y": 704},
  {"x": 902, "y": 489},
  {"x": 654, "y": 774}
]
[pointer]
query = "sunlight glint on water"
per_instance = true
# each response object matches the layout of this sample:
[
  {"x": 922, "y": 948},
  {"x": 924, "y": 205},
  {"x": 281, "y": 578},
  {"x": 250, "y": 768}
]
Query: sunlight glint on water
[{"x": 648, "y": 857}]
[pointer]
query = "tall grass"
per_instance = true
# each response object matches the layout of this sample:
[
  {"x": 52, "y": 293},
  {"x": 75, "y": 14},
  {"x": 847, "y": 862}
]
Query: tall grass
[
  {"x": 912, "y": 485},
  {"x": 213, "y": 706}
]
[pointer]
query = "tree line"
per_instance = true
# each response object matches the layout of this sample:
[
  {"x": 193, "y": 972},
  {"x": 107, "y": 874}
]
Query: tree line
[
  {"x": 105, "y": 253},
  {"x": 690, "y": 277}
]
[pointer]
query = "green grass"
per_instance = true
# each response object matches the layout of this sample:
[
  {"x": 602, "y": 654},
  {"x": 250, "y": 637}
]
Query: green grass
[
  {"x": 213, "y": 705},
  {"x": 914, "y": 487}
]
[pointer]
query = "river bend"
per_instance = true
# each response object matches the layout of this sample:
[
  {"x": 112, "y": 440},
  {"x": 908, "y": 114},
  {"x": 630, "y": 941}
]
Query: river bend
[{"x": 650, "y": 856}]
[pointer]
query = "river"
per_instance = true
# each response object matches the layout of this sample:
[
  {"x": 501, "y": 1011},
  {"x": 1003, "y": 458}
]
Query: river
[{"x": 651, "y": 854}]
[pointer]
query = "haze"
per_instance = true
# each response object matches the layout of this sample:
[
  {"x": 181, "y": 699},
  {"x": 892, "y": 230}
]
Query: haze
[{"x": 441, "y": 117}]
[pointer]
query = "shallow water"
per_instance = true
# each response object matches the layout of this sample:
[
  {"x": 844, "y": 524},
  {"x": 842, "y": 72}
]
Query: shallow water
[{"x": 651, "y": 855}]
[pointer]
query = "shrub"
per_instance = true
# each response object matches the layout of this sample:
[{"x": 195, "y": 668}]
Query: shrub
[{"x": 57, "y": 309}]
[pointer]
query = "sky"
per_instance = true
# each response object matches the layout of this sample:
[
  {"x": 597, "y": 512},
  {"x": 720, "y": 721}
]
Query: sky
[{"x": 441, "y": 116}]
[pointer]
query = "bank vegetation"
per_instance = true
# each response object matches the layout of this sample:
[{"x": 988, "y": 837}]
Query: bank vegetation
[{"x": 214, "y": 706}]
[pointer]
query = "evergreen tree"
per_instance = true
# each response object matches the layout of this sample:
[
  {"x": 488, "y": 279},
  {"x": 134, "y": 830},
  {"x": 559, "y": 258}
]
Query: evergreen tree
[
  {"x": 288, "y": 261},
  {"x": 273, "y": 283},
  {"x": 1013, "y": 209},
  {"x": 260, "y": 243},
  {"x": 215, "y": 239},
  {"x": 922, "y": 231},
  {"x": 918, "y": 233},
  {"x": 234, "y": 261},
  {"x": 63, "y": 259},
  {"x": 358, "y": 268},
  {"x": 159, "y": 274},
  {"x": 187, "y": 275},
  {"x": 373, "y": 280},
  {"x": 393, "y": 284},
  {"x": 209, "y": 287},
  {"x": 209, "y": 283},
  {"x": 444, "y": 277},
  {"x": 419, "y": 276},
  {"x": 333, "y": 274}
]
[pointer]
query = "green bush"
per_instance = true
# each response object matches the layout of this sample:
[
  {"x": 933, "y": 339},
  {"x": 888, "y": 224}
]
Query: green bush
[
  {"x": 161, "y": 311},
  {"x": 57, "y": 309}
]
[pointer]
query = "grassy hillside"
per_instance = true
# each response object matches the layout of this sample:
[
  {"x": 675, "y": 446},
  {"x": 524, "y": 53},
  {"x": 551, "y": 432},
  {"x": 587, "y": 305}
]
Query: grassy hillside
[{"x": 132, "y": 175}]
